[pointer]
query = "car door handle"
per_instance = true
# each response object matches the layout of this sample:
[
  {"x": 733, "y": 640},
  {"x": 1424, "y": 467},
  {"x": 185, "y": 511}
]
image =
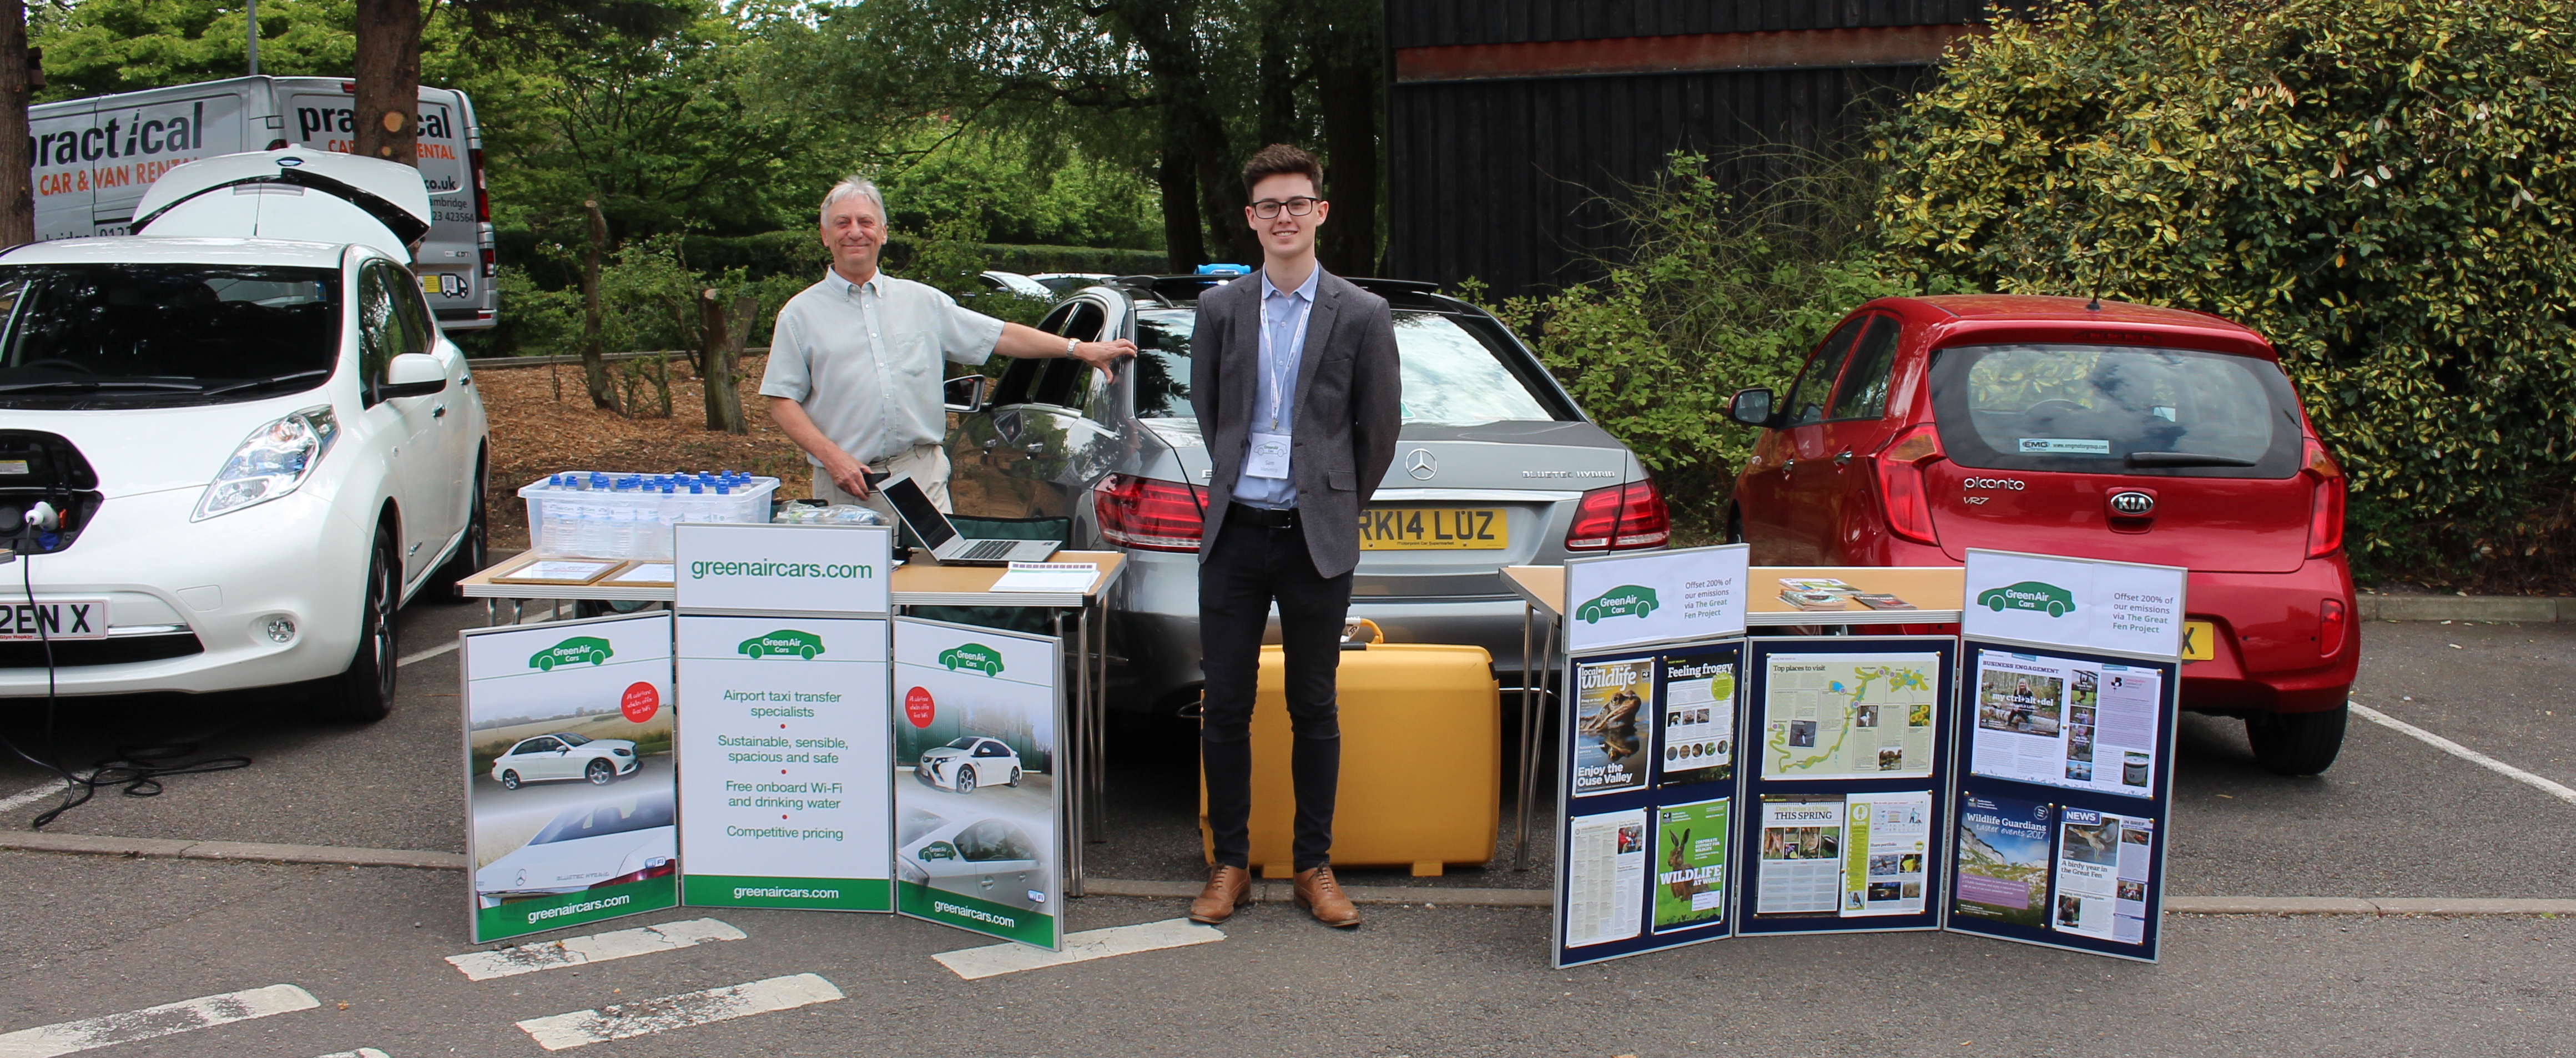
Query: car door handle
[
  {"x": 1787, "y": 465},
  {"x": 441, "y": 413},
  {"x": 1842, "y": 457}
]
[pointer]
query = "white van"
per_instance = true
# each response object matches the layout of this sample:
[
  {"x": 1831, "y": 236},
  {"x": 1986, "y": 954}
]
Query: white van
[{"x": 95, "y": 156}]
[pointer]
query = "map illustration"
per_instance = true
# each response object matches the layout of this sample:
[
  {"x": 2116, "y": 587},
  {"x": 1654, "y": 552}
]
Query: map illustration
[{"x": 1850, "y": 716}]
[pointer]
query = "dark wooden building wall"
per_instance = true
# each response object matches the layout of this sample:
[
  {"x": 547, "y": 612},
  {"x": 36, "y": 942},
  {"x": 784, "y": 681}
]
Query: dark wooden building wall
[{"x": 1497, "y": 177}]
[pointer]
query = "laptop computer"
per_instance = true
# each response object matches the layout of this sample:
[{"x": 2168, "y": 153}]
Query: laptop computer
[{"x": 947, "y": 546}]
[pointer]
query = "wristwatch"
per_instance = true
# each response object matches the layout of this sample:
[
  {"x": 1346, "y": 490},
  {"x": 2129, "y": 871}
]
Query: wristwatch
[{"x": 1069, "y": 343}]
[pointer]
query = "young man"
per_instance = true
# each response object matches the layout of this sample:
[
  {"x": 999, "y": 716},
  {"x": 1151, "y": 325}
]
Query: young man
[
  {"x": 854, "y": 368},
  {"x": 1293, "y": 376}
]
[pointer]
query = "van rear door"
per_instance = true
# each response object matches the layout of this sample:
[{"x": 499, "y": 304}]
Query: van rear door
[{"x": 319, "y": 114}]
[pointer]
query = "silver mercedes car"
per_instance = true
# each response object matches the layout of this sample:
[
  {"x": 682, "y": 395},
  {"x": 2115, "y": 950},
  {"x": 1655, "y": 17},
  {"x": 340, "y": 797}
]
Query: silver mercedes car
[{"x": 1496, "y": 467}]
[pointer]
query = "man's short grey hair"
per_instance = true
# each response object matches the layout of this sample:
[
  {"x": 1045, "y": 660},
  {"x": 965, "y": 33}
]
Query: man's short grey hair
[{"x": 855, "y": 185}]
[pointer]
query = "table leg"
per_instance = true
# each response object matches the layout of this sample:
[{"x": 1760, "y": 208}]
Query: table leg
[
  {"x": 491, "y": 612},
  {"x": 1100, "y": 730},
  {"x": 1072, "y": 775},
  {"x": 1529, "y": 711},
  {"x": 1529, "y": 749}
]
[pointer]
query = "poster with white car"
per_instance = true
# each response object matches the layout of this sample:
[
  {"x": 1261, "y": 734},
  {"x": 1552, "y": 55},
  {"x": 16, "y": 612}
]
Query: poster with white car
[
  {"x": 783, "y": 802},
  {"x": 569, "y": 781},
  {"x": 977, "y": 717}
]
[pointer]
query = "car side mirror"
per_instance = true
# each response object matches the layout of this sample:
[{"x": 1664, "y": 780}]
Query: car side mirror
[
  {"x": 412, "y": 375},
  {"x": 1752, "y": 407},
  {"x": 965, "y": 395}
]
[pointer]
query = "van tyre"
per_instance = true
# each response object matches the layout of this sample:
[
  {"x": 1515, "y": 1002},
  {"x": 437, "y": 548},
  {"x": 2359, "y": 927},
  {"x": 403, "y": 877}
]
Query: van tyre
[
  {"x": 2297, "y": 743},
  {"x": 365, "y": 692},
  {"x": 474, "y": 551}
]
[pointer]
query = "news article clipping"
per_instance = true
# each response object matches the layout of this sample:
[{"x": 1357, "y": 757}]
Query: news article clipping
[
  {"x": 2063, "y": 722},
  {"x": 1850, "y": 716},
  {"x": 1606, "y": 877},
  {"x": 2102, "y": 863},
  {"x": 1851, "y": 856},
  {"x": 1614, "y": 714},
  {"x": 1698, "y": 714}
]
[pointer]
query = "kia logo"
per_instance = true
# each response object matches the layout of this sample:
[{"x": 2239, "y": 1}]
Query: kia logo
[
  {"x": 2132, "y": 504},
  {"x": 1421, "y": 464}
]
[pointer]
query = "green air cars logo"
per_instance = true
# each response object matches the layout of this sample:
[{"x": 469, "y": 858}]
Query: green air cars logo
[
  {"x": 974, "y": 656},
  {"x": 2029, "y": 595},
  {"x": 784, "y": 643},
  {"x": 572, "y": 651},
  {"x": 1626, "y": 600}
]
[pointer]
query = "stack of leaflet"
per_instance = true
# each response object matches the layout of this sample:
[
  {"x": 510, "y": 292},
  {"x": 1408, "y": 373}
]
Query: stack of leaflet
[{"x": 1816, "y": 593}]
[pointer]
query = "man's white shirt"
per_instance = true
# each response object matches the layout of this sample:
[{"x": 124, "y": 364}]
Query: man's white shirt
[{"x": 864, "y": 360}]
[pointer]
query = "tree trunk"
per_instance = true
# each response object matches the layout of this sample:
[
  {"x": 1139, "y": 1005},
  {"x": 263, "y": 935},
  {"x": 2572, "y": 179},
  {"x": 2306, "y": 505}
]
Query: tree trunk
[
  {"x": 594, "y": 370},
  {"x": 1278, "y": 117},
  {"x": 388, "y": 80},
  {"x": 17, "y": 151},
  {"x": 721, "y": 338},
  {"x": 1177, "y": 177},
  {"x": 1346, "y": 82},
  {"x": 1221, "y": 194}
]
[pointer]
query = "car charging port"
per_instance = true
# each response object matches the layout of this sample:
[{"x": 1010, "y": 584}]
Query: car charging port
[{"x": 48, "y": 493}]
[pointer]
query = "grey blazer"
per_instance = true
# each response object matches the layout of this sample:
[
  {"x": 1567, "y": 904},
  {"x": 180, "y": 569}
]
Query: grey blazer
[{"x": 1348, "y": 405}]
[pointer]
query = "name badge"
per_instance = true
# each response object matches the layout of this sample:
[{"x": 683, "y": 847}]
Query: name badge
[{"x": 1269, "y": 456}]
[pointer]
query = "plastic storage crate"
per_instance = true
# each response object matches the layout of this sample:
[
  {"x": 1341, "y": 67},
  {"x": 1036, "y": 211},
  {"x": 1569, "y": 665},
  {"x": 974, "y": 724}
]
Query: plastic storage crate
[{"x": 598, "y": 515}]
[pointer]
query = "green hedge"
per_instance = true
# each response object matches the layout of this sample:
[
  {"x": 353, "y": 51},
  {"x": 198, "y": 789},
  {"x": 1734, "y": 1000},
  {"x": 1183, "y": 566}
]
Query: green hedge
[{"x": 2384, "y": 188}]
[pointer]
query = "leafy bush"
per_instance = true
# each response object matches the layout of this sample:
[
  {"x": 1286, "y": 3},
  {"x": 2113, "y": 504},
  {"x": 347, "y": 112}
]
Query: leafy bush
[
  {"x": 1714, "y": 293},
  {"x": 2381, "y": 187}
]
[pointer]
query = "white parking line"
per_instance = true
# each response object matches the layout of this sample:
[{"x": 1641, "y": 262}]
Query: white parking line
[
  {"x": 582, "y": 1028},
  {"x": 600, "y": 947},
  {"x": 425, "y": 654},
  {"x": 32, "y": 794},
  {"x": 362, "y": 1052},
  {"x": 974, "y": 963},
  {"x": 2546, "y": 785},
  {"x": 71, "y": 1037}
]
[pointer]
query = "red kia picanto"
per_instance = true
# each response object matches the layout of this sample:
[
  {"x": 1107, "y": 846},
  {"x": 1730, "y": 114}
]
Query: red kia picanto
[{"x": 1922, "y": 427}]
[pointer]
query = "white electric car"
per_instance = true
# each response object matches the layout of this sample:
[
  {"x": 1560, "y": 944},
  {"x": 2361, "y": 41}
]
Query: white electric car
[
  {"x": 591, "y": 846},
  {"x": 991, "y": 859},
  {"x": 564, "y": 755},
  {"x": 969, "y": 762},
  {"x": 238, "y": 437}
]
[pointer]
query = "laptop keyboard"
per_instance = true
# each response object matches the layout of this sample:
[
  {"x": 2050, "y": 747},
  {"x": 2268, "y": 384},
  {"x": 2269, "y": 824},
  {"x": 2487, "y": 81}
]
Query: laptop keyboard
[{"x": 988, "y": 549}]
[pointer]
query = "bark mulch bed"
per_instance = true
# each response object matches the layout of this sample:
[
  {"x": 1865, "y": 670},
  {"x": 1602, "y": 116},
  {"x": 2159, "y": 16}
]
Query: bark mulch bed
[{"x": 543, "y": 423}]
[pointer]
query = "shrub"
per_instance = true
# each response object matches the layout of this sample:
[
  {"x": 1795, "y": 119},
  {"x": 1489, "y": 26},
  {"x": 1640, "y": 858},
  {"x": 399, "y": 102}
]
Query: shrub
[
  {"x": 1714, "y": 293},
  {"x": 2382, "y": 187}
]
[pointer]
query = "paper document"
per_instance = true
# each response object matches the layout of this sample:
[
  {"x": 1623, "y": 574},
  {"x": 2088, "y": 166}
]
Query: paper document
[
  {"x": 2064, "y": 722},
  {"x": 655, "y": 573},
  {"x": 1048, "y": 576},
  {"x": 1605, "y": 877}
]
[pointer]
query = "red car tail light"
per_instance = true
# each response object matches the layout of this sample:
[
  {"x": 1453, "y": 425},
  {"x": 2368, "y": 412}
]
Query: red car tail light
[
  {"x": 1148, "y": 515},
  {"x": 1620, "y": 518},
  {"x": 2325, "y": 512},
  {"x": 2330, "y": 627},
  {"x": 1901, "y": 488},
  {"x": 664, "y": 869}
]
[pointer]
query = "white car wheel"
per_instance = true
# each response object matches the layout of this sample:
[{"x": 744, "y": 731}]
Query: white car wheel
[
  {"x": 509, "y": 780},
  {"x": 965, "y": 778}
]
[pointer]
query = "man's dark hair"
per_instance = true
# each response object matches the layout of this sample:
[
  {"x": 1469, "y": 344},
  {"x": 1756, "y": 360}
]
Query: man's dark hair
[{"x": 1280, "y": 158}]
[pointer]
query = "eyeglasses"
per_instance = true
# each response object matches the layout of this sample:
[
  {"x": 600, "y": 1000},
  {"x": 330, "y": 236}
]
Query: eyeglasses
[{"x": 1297, "y": 207}]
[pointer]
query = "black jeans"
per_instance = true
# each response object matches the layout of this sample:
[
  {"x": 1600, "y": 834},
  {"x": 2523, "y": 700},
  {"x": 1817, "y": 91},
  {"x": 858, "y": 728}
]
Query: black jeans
[{"x": 1251, "y": 567}]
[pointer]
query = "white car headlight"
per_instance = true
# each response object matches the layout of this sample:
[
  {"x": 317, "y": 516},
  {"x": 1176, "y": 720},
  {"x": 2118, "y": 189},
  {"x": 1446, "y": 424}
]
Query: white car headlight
[{"x": 271, "y": 462}]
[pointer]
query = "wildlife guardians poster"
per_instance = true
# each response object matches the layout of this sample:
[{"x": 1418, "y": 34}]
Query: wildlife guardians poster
[{"x": 1612, "y": 706}]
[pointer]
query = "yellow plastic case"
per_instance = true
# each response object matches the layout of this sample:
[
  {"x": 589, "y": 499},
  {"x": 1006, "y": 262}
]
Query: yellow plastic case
[{"x": 1421, "y": 761}]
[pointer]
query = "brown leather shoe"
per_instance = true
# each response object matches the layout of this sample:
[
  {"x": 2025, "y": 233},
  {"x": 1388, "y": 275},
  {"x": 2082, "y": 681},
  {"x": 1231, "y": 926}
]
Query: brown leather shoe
[
  {"x": 1322, "y": 897},
  {"x": 1228, "y": 887}
]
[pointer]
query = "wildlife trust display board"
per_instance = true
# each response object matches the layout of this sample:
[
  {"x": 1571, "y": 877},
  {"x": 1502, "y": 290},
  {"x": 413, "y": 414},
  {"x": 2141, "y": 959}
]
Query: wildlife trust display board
[
  {"x": 785, "y": 786},
  {"x": 569, "y": 773},
  {"x": 2012, "y": 782},
  {"x": 2071, "y": 674}
]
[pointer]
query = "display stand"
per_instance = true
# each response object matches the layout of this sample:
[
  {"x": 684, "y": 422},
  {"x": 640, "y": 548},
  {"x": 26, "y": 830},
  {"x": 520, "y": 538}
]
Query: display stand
[
  {"x": 921, "y": 583},
  {"x": 2070, "y": 677}
]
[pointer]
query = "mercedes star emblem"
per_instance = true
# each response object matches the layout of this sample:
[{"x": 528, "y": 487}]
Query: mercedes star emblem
[{"x": 1421, "y": 464}]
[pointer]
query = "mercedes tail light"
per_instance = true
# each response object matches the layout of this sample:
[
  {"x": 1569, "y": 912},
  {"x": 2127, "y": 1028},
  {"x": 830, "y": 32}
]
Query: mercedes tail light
[
  {"x": 1619, "y": 518},
  {"x": 657, "y": 867},
  {"x": 1146, "y": 514},
  {"x": 1902, "y": 492},
  {"x": 2325, "y": 510},
  {"x": 482, "y": 197},
  {"x": 2332, "y": 621}
]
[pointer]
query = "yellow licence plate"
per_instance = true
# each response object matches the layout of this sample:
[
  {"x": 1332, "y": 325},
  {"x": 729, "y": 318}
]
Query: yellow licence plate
[
  {"x": 1433, "y": 529},
  {"x": 2199, "y": 641}
]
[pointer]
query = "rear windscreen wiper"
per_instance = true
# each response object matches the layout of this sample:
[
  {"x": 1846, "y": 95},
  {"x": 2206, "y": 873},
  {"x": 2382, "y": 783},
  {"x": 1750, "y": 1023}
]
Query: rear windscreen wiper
[
  {"x": 96, "y": 384},
  {"x": 2184, "y": 459},
  {"x": 291, "y": 376}
]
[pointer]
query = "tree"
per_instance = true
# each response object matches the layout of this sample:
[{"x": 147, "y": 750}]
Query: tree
[
  {"x": 2380, "y": 187},
  {"x": 17, "y": 157},
  {"x": 388, "y": 80}
]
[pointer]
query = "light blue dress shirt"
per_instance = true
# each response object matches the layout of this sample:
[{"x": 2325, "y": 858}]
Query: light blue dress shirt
[{"x": 1281, "y": 313}]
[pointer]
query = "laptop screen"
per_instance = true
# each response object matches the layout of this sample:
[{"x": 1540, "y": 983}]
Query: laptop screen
[{"x": 918, "y": 512}]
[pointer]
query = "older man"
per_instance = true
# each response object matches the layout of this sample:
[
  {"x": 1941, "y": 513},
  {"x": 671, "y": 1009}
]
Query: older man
[{"x": 854, "y": 369}]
